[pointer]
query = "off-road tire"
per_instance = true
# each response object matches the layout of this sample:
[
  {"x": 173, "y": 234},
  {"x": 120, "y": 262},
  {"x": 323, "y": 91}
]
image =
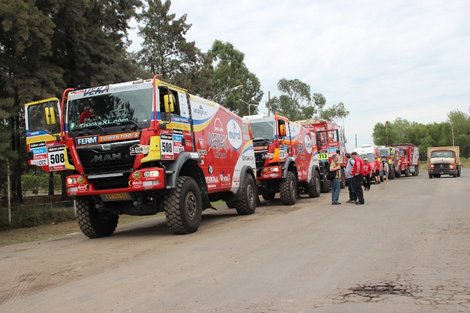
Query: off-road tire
[
  {"x": 407, "y": 172},
  {"x": 398, "y": 173},
  {"x": 315, "y": 189},
  {"x": 458, "y": 173},
  {"x": 431, "y": 176},
  {"x": 268, "y": 196},
  {"x": 183, "y": 206},
  {"x": 391, "y": 174},
  {"x": 93, "y": 223},
  {"x": 325, "y": 185},
  {"x": 246, "y": 205},
  {"x": 288, "y": 189}
]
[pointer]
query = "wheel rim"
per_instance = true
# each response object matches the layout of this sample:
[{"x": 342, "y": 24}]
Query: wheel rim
[
  {"x": 191, "y": 205},
  {"x": 250, "y": 195}
]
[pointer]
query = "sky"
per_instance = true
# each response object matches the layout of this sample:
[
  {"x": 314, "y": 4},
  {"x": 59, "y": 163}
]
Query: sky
[{"x": 383, "y": 59}]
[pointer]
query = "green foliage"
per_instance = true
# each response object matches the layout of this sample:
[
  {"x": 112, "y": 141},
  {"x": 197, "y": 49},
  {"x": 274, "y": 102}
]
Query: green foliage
[
  {"x": 335, "y": 111},
  {"x": 166, "y": 51},
  {"x": 426, "y": 135},
  {"x": 296, "y": 103},
  {"x": 38, "y": 183},
  {"x": 234, "y": 85},
  {"x": 35, "y": 215}
]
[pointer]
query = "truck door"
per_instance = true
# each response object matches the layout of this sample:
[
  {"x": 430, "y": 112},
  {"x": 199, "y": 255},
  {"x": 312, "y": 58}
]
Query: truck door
[
  {"x": 177, "y": 136},
  {"x": 43, "y": 145}
]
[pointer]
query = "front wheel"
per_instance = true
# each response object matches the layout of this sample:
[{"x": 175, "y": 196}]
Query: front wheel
[
  {"x": 288, "y": 189},
  {"x": 94, "y": 223},
  {"x": 183, "y": 206},
  {"x": 249, "y": 197}
]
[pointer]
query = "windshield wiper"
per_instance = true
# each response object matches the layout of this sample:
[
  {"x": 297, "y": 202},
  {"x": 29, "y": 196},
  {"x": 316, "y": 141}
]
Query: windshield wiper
[
  {"x": 133, "y": 127},
  {"x": 81, "y": 133}
]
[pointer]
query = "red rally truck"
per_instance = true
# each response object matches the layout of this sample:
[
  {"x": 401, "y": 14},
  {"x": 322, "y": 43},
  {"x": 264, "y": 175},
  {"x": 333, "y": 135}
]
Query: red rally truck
[
  {"x": 143, "y": 147},
  {"x": 330, "y": 138},
  {"x": 286, "y": 158},
  {"x": 409, "y": 159}
]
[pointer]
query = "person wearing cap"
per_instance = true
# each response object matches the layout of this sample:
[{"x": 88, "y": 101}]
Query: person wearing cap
[
  {"x": 367, "y": 173},
  {"x": 335, "y": 166},
  {"x": 349, "y": 178},
  {"x": 357, "y": 177}
]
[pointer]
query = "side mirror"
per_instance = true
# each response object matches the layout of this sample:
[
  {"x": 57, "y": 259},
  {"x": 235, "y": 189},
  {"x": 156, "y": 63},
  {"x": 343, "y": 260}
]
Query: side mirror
[
  {"x": 169, "y": 103},
  {"x": 49, "y": 112},
  {"x": 282, "y": 130}
]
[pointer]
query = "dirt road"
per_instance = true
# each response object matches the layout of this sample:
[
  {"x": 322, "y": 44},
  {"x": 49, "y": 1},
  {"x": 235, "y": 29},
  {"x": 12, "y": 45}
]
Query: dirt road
[{"x": 406, "y": 250}]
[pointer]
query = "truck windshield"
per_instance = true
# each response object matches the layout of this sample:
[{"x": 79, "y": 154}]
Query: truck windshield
[
  {"x": 112, "y": 109},
  {"x": 263, "y": 129},
  {"x": 369, "y": 156},
  {"x": 384, "y": 153},
  {"x": 442, "y": 154}
]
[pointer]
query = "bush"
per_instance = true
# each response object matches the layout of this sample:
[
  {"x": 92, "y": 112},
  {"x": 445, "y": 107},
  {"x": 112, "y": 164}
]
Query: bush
[
  {"x": 39, "y": 182},
  {"x": 35, "y": 215}
]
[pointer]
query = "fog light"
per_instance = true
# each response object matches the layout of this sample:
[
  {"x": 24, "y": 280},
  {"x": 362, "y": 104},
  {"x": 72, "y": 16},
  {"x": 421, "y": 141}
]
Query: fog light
[
  {"x": 136, "y": 175},
  {"x": 151, "y": 174},
  {"x": 81, "y": 179}
]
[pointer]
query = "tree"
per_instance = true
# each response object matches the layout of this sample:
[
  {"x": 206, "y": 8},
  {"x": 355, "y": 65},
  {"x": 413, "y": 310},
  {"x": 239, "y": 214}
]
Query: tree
[
  {"x": 166, "y": 51},
  {"x": 25, "y": 72},
  {"x": 295, "y": 101},
  {"x": 234, "y": 85},
  {"x": 335, "y": 111},
  {"x": 320, "y": 101},
  {"x": 426, "y": 135},
  {"x": 90, "y": 40}
]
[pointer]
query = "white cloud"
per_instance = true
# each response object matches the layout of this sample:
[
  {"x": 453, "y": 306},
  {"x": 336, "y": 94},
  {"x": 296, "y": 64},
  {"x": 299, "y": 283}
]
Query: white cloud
[{"x": 382, "y": 59}]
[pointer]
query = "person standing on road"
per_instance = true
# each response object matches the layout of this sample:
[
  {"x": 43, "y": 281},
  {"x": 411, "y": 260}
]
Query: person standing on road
[
  {"x": 349, "y": 178},
  {"x": 377, "y": 170},
  {"x": 335, "y": 167},
  {"x": 357, "y": 174},
  {"x": 367, "y": 173}
]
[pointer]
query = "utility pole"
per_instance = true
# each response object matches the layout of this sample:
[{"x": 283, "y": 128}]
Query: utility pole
[
  {"x": 452, "y": 130},
  {"x": 355, "y": 139}
]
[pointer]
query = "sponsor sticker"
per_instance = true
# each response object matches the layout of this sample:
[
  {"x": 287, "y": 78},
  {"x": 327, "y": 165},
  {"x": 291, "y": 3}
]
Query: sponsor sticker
[
  {"x": 119, "y": 137},
  {"x": 234, "y": 134},
  {"x": 139, "y": 149}
]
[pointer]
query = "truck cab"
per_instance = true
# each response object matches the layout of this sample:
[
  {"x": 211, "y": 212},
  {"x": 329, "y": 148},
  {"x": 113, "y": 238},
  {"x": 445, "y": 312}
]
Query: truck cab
[
  {"x": 286, "y": 158},
  {"x": 444, "y": 161}
]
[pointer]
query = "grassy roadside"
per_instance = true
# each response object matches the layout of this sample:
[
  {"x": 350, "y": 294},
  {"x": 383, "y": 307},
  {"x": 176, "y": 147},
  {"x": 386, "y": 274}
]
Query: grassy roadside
[{"x": 51, "y": 231}]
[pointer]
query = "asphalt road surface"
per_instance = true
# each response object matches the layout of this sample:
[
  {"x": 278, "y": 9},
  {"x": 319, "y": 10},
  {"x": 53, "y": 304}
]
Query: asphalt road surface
[{"x": 406, "y": 250}]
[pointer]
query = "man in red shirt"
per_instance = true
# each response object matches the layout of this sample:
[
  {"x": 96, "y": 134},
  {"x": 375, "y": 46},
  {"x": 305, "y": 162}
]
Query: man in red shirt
[
  {"x": 357, "y": 177},
  {"x": 367, "y": 173}
]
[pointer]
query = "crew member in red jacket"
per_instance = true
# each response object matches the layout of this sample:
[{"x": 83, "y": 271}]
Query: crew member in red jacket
[
  {"x": 367, "y": 173},
  {"x": 357, "y": 177},
  {"x": 378, "y": 163}
]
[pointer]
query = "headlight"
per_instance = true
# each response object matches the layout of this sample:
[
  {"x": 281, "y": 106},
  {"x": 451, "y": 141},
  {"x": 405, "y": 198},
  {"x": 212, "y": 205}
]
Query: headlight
[
  {"x": 71, "y": 180},
  {"x": 81, "y": 179},
  {"x": 136, "y": 175}
]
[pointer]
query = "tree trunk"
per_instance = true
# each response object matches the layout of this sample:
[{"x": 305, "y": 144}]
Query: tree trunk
[{"x": 51, "y": 184}]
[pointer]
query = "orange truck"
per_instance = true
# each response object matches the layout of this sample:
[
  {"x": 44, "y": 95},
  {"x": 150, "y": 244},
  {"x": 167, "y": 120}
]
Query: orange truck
[
  {"x": 140, "y": 148},
  {"x": 286, "y": 158},
  {"x": 330, "y": 139},
  {"x": 409, "y": 159}
]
